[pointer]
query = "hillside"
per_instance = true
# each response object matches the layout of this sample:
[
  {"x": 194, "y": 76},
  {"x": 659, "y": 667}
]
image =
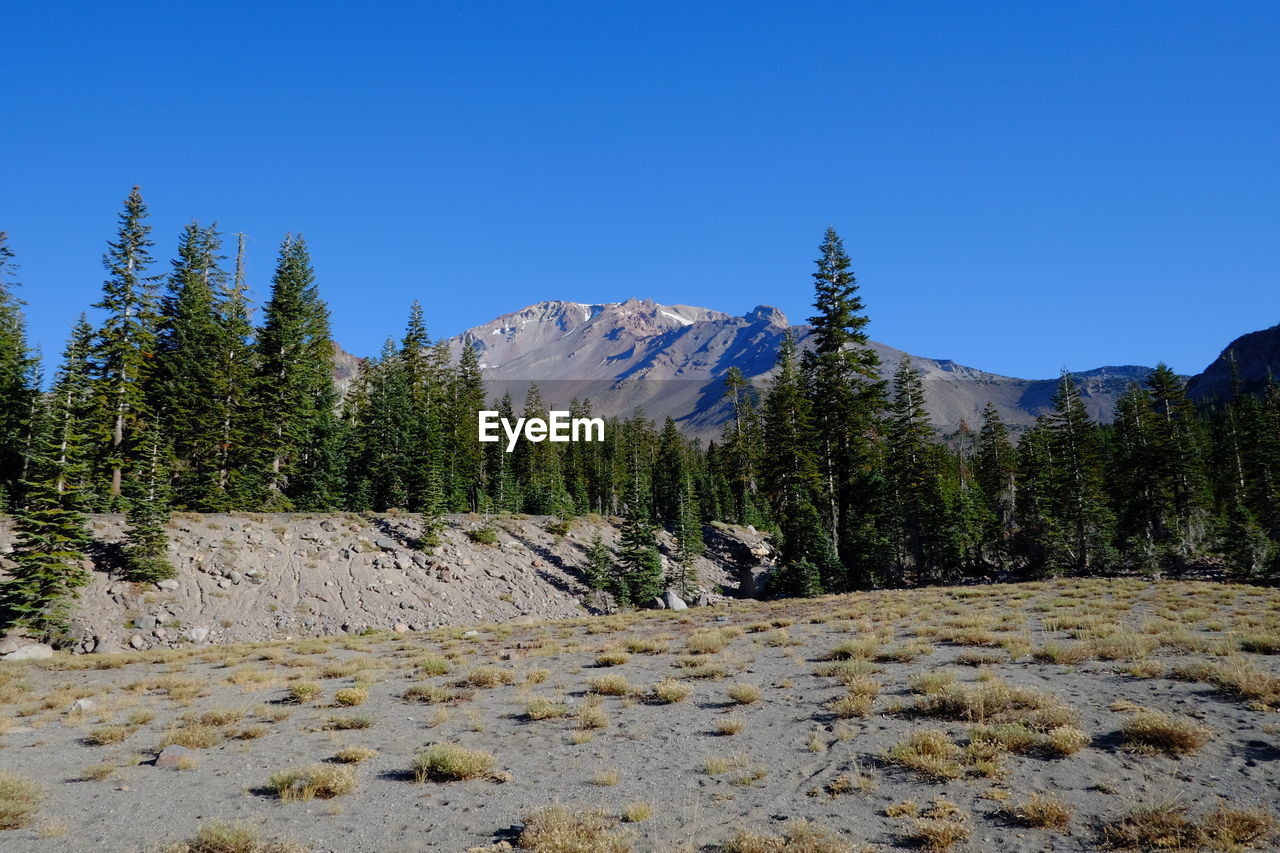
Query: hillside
[{"x": 1256, "y": 356}]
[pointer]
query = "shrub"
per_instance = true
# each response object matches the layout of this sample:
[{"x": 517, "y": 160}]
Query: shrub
[
  {"x": 940, "y": 827},
  {"x": 637, "y": 812},
  {"x": 351, "y": 721},
  {"x": 730, "y": 725},
  {"x": 851, "y": 705},
  {"x": 323, "y": 781},
  {"x": 433, "y": 694},
  {"x": 744, "y": 694},
  {"x": 106, "y": 735},
  {"x": 449, "y": 762},
  {"x": 615, "y": 657},
  {"x": 486, "y": 535},
  {"x": 591, "y": 717}
]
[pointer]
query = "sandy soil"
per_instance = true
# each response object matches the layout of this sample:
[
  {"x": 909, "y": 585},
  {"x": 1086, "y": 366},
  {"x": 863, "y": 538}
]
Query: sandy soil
[{"x": 786, "y": 762}]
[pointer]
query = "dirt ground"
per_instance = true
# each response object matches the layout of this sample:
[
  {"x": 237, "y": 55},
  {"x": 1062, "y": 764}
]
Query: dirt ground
[{"x": 1144, "y": 711}]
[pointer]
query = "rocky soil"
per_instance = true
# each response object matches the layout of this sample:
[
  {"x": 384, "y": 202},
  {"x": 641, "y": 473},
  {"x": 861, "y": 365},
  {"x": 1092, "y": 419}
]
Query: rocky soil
[{"x": 252, "y": 577}]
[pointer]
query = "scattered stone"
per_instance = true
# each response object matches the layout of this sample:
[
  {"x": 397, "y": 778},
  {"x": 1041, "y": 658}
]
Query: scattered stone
[
  {"x": 137, "y": 642},
  {"x": 236, "y": 577},
  {"x": 172, "y": 755},
  {"x": 469, "y": 634},
  {"x": 81, "y": 706},
  {"x": 673, "y": 601},
  {"x": 145, "y": 623},
  {"x": 197, "y": 635},
  {"x": 401, "y": 628},
  {"x": 168, "y": 583},
  {"x": 703, "y": 599},
  {"x": 657, "y": 604},
  {"x": 9, "y": 645}
]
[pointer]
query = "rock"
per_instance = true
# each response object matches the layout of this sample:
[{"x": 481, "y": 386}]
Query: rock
[
  {"x": 673, "y": 601},
  {"x": 236, "y": 577},
  {"x": 145, "y": 623},
  {"x": 537, "y": 564},
  {"x": 82, "y": 706},
  {"x": 172, "y": 755},
  {"x": 137, "y": 642},
  {"x": 386, "y": 543},
  {"x": 403, "y": 564},
  {"x": 168, "y": 583},
  {"x": 160, "y": 633},
  {"x": 722, "y": 618},
  {"x": 224, "y": 584},
  {"x": 657, "y": 604},
  {"x": 9, "y": 645},
  {"x": 469, "y": 634},
  {"x": 401, "y": 628},
  {"x": 703, "y": 599},
  {"x": 197, "y": 635}
]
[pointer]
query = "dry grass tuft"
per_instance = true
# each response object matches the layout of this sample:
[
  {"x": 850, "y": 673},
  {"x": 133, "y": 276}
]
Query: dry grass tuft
[
  {"x": 20, "y": 800},
  {"x": 354, "y": 754},
  {"x": 559, "y": 829},
  {"x": 744, "y": 694},
  {"x": 449, "y": 762},
  {"x": 668, "y": 691},
  {"x": 232, "y": 838},
  {"x": 929, "y": 752},
  {"x": 1155, "y": 731},
  {"x": 319, "y": 781},
  {"x": 1041, "y": 811},
  {"x": 798, "y": 836},
  {"x": 609, "y": 685}
]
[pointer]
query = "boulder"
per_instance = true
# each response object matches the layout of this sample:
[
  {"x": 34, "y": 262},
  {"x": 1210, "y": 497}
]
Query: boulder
[
  {"x": 401, "y": 628},
  {"x": 673, "y": 601},
  {"x": 9, "y": 645},
  {"x": 137, "y": 642},
  {"x": 81, "y": 706},
  {"x": 704, "y": 600},
  {"x": 146, "y": 623},
  {"x": 35, "y": 651},
  {"x": 172, "y": 755},
  {"x": 168, "y": 583},
  {"x": 197, "y": 635},
  {"x": 657, "y": 604},
  {"x": 386, "y": 543}
]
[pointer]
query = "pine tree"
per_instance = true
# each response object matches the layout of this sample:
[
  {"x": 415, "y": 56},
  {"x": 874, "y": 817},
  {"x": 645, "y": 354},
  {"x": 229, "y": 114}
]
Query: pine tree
[
  {"x": 231, "y": 392},
  {"x": 18, "y": 391},
  {"x": 296, "y": 397},
  {"x": 51, "y": 532},
  {"x": 468, "y": 399},
  {"x": 126, "y": 342}
]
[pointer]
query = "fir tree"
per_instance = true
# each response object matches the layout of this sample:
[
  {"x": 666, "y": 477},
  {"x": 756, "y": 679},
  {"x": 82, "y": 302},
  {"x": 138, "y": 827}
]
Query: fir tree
[
  {"x": 598, "y": 572},
  {"x": 18, "y": 391},
  {"x": 51, "y": 532},
  {"x": 842, "y": 376},
  {"x": 913, "y": 471},
  {"x": 640, "y": 579},
  {"x": 146, "y": 558},
  {"x": 995, "y": 473},
  {"x": 126, "y": 343},
  {"x": 296, "y": 397},
  {"x": 689, "y": 541},
  {"x": 1078, "y": 503}
]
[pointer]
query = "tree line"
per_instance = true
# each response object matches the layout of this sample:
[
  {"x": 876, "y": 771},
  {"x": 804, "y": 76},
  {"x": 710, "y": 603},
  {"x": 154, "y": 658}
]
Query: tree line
[{"x": 177, "y": 399}]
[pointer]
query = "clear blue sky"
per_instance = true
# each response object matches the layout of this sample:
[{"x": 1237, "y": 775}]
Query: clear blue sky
[{"x": 1021, "y": 185}]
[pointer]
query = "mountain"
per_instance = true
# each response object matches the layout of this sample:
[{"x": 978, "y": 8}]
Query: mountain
[
  {"x": 670, "y": 360},
  {"x": 1256, "y": 356}
]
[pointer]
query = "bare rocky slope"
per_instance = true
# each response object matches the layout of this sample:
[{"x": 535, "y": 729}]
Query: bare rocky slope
[
  {"x": 250, "y": 577},
  {"x": 671, "y": 360}
]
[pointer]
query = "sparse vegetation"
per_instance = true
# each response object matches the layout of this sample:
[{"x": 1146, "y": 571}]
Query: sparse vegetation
[
  {"x": 318, "y": 781},
  {"x": 449, "y": 762}
]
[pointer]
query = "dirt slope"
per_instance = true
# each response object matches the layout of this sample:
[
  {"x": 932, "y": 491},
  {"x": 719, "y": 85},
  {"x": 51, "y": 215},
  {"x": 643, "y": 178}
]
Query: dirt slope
[{"x": 249, "y": 577}]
